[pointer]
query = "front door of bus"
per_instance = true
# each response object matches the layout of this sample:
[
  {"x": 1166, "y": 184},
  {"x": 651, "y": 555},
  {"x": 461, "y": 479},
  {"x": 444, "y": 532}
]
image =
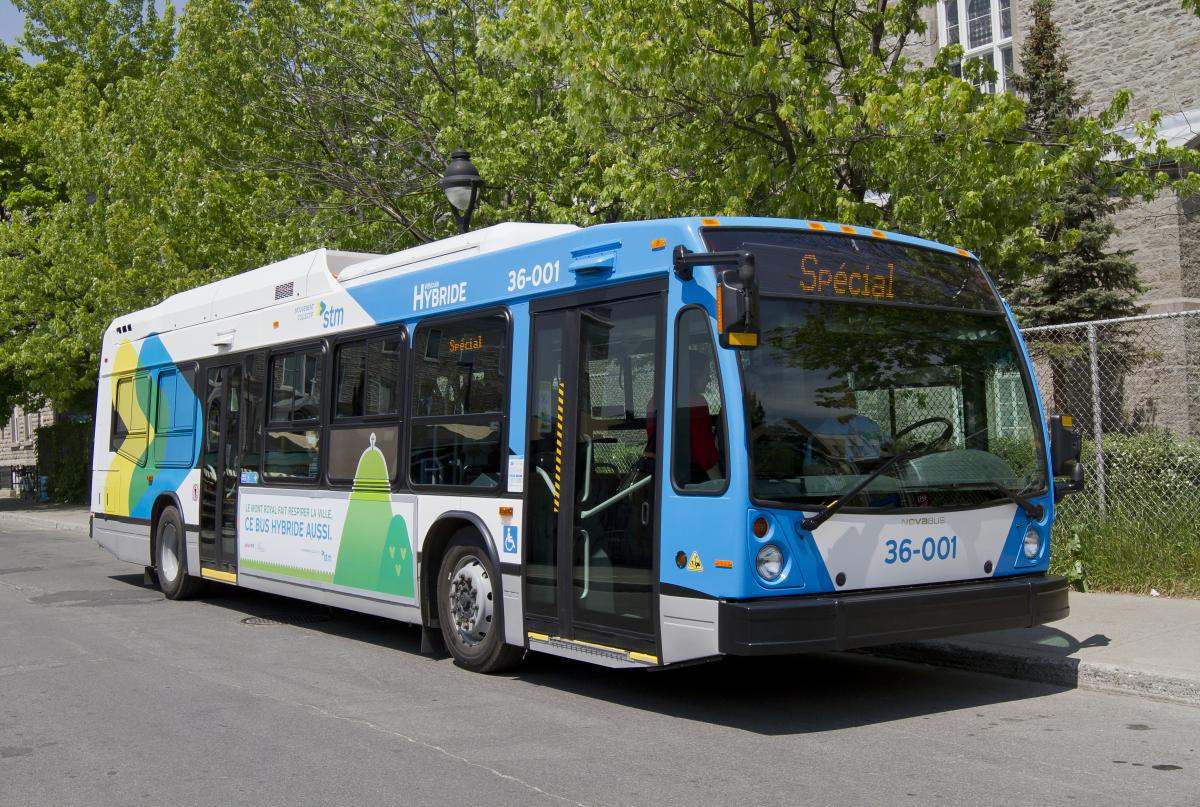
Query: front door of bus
[
  {"x": 591, "y": 512},
  {"x": 219, "y": 468}
]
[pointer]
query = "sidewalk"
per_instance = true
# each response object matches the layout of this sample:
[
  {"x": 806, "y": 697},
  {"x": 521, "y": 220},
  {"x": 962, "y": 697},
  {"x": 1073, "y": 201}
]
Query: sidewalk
[
  {"x": 1115, "y": 642},
  {"x": 50, "y": 516}
]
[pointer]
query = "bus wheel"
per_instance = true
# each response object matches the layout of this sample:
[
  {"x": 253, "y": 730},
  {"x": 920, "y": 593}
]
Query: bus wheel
[
  {"x": 171, "y": 561},
  {"x": 470, "y": 608}
]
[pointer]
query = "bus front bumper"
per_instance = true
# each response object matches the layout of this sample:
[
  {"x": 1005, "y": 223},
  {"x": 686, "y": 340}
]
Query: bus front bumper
[{"x": 845, "y": 621}]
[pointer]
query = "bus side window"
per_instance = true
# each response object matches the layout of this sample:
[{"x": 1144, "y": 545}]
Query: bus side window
[
  {"x": 458, "y": 405},
  {"x": 130, "y": 426},
  {"x": 698, "y": 463},
  {"x": 254, "y": 409},
  {"x": 366, "y": 404},
  {"x": 173, "y": 417},
  {"x": 293, "y": 451}
]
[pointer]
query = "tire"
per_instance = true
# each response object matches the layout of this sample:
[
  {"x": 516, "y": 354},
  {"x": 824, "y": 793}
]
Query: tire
[
  {"x": 470, "y": 607},
  {"x": 170, "y": 558}
]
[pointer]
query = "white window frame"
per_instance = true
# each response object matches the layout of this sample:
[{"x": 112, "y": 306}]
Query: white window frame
[{"x": 995, "y": 47}]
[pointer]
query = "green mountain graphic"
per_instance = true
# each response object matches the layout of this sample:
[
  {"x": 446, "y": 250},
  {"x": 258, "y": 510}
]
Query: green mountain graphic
[{"x": 375, "y": 552}]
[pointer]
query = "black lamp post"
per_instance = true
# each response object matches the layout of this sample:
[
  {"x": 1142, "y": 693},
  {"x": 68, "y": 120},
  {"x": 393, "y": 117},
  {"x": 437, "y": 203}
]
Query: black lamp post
[{"x": 462, "y": 184}]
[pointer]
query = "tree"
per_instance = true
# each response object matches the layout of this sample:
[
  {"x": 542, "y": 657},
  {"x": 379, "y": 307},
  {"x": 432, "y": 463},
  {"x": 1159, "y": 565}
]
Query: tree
[
  {"x": 373, "y": 97},
  {"x": 804, "y": 108},
  {"x": 124, "y": 125},
  {"x": 1084, "y": 280}
]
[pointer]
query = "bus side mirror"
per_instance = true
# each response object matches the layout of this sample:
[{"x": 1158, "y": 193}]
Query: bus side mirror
[
  {"x": 1065, "y": 448},
  {"x": 738, "y": 324}
]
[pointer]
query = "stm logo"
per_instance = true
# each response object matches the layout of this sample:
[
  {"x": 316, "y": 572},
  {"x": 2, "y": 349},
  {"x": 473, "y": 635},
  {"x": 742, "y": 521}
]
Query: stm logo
[{"x": 330, "y": 317}]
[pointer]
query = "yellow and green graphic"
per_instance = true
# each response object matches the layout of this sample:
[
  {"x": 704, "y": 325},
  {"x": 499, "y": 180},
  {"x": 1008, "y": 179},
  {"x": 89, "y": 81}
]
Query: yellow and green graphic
[
  {"x": 153, "y": 411},
  {"x": 299, "y": 537},
  {"x": 374, "y": 553}
]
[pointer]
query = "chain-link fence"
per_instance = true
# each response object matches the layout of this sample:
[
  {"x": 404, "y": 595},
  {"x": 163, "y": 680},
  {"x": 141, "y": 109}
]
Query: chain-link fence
[{"x": 1133, "y": 388}]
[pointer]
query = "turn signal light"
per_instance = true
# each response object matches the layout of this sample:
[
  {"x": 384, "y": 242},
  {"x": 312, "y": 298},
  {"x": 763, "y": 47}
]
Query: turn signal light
[{"x": 760, "y": 527}]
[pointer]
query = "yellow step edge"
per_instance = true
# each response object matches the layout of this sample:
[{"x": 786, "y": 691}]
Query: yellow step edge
[
  {"x": 213, "y": 574},
  {"x": 633, "y": 655}
]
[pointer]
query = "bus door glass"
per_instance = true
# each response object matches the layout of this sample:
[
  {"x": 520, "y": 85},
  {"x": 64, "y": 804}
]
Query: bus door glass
[
  {"x": 592, "y": 507},
  {"x": 219, "y": 468}
]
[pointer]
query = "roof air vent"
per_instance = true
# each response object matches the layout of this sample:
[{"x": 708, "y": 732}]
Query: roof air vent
[{"x": 284, "y": 290}]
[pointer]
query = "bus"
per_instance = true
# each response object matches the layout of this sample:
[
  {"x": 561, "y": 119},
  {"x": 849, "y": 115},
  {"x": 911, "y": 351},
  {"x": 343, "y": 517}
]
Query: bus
[{"x": 636, "y": 444}]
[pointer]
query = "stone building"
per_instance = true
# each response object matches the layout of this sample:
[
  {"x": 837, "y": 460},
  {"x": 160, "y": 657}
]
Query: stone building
[
  {"x": 1151, "y": 47},
  {"x": 18, "y": 445}
]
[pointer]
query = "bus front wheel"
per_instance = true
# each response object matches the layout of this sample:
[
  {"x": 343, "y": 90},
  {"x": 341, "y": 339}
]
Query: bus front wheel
[
  {"x": 170, "y": 562},
  {"x": 470, "y": 608}
]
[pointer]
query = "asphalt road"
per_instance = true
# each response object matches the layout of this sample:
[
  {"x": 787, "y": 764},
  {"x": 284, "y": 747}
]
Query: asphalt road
[{"x": 111, "y": 695}]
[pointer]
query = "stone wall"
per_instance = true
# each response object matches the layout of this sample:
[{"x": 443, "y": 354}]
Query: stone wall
[
  {"x": 1153, "y": 231},
  {"x": 18, "y": 440},
  {"x": 1151, "y": 47}
]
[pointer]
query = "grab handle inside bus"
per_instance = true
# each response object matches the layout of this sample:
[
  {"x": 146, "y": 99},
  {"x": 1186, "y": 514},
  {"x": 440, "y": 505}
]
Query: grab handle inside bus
[
  {"x": 738, "y": 323},
  {"x": 1065, "y": 449}
]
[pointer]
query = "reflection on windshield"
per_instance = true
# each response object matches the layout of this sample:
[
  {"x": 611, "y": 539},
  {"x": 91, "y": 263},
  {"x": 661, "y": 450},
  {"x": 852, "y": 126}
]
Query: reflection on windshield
[{"x": 836, "y": 389}]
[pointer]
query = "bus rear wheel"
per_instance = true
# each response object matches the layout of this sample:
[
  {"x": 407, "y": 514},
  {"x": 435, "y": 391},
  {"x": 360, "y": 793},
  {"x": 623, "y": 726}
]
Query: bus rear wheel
[
  {"x": 470, "y": 608},
  {"x": 170, "y": 562}
]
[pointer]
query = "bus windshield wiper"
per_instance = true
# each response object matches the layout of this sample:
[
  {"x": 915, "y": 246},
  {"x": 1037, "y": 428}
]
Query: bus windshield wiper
[
  {"x": 826, "y": 512},
  {"x": 1034, "y": 511}
]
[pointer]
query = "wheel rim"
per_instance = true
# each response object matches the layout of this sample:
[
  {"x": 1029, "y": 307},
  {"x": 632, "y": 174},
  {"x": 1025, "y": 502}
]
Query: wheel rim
[
  {"x": 168, "y": 553},
  {"x": 470, "y": 600}
]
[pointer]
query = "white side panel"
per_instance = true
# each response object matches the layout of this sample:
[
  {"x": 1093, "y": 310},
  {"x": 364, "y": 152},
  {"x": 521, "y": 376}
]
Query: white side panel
[
  {"x": 869, "y": 549},
  {"x": 192, "y": 543},
  {"x": 405, "y": 612},
  {"x": 329, "y": 539},
  {"x": 504, "y": 534},
  {"x": 514, "y": 612},
  {"x": 189, "y": 497},
  {"x": 689, "y": 628},
  {"x": 128, "y": 542},
  {"x": 504, "y": 530}
]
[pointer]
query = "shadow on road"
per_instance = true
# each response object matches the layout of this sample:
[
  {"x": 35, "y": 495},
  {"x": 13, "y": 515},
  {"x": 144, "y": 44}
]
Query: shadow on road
[
  {"x": 1041, "y": 653},
  {"x": 771, "y": 696}
]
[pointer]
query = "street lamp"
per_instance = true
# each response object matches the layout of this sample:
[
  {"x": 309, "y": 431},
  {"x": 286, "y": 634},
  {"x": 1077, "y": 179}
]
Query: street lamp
[{"x": 462, "y": 184}]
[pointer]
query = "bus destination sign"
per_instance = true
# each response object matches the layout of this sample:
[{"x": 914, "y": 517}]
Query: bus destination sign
[{"x": 856, "y": 268}]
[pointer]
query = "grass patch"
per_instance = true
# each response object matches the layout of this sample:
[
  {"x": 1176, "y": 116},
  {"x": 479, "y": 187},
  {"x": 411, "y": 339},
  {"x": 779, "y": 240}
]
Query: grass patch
[{"x": 1155, "y": 547}]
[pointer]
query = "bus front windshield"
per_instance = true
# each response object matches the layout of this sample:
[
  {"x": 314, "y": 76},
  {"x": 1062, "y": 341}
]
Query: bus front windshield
[{"x": 839, "y": 386}]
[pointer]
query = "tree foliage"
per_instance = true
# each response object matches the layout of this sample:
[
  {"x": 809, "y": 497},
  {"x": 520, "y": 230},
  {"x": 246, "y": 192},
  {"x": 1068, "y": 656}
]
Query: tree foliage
[
  {"x": 1084, "y": 280},
  {"x": 144, "y": 154}
]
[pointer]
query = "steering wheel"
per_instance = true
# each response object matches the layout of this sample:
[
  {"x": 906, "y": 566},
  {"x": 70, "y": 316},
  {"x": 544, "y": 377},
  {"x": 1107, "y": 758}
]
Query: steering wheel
[{"x": 944, "y": 437}]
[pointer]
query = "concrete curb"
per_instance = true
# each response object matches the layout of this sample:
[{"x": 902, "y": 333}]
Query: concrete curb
[
  {"x": 1056, "y": 671},
  {"x": 47, "y": 520}
]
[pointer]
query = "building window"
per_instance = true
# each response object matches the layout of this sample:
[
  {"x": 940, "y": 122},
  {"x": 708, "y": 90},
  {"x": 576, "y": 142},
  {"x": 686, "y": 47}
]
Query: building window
[{"x": 988, "y": 36}]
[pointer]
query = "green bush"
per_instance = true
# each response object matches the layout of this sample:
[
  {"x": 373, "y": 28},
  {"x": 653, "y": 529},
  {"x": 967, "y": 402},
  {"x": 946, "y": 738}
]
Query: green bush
[
  {"x": 65, "y": 456},
  {"x": 1148, "y": 536}
]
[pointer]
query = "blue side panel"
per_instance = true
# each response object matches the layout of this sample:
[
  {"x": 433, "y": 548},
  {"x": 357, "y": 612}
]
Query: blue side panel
[
  {"x": 595, "y": 257},
  {"x": 518, "y": 403},
  {"x": 717, "y": 527}
]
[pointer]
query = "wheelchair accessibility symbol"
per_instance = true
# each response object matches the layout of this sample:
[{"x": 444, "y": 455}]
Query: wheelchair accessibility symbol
[{"x": 510, "y": 538}]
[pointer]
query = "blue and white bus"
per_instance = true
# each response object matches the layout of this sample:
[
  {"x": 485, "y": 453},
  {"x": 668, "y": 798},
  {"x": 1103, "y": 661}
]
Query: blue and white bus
[{"x": 634, "y": 444}]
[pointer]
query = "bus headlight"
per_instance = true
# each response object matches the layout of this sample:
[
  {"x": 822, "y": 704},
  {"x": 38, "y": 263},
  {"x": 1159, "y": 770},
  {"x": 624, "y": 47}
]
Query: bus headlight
[
  {"x": 769, "y": 562},
  {"x": 1033, "y": 542}
]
